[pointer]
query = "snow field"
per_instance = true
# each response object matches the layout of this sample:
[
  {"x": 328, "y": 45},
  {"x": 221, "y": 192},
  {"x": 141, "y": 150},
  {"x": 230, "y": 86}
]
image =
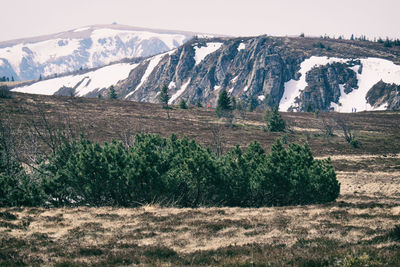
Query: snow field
[
  {"x": 202, "y": 52},
  {"x": 294, "y": 87},
  {"x": 373, "y": 70},
  {"x": 241, "y": 46},
  {"x": 91, "y": 81}
]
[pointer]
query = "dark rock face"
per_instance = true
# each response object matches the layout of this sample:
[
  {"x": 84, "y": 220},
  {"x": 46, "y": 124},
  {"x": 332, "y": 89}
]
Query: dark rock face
[
  {"x": 324, "y": 85},
  {"x": 384, "y": 94},
  {"x": 253, "y": 71}
]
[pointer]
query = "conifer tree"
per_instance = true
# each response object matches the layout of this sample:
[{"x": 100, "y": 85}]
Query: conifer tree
[
  {"x": 223, "y": 104},
  {"x": 111, "y": 93},
  {"x": 198, "y": 103},
  {"x": 164, "y": 98},
  {"x": 182, "y": 104},
  {"x": 275, "y": 123}
]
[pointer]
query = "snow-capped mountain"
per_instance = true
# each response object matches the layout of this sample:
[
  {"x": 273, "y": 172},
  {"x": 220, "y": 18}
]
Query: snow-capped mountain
[
  {"x": 86, "y": 47},
  {"x": 293, "y": 73}
]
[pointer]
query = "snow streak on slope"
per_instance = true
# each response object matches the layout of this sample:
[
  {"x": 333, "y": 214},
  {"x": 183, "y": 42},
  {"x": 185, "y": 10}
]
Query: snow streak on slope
[
  {"x": 83, "y": 84},
  {"x": 202, "y": 52},
  {"x": 179, "y": 92},
  {"x": 373, "y": 70},
  {"x": 153, "y": 62},
  {"x": 293, "y": 87}
]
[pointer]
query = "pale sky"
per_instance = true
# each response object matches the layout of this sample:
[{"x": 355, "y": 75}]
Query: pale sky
[{"x": 373, "y": 18}]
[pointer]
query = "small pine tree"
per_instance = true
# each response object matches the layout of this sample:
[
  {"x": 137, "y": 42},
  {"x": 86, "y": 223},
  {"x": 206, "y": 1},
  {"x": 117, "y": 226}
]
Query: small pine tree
[
  {"x": 111, "y": 93},
  {"x": 252, "y": 104},
  {"x": 275, "y": 123},
  {"x": 182, "y": 104},
  {"x": 352, "y": 37},
  {"x": 309, "y": 108},
  {"x": 164, "y": 97},
  {"x": 224, "y": 103},
  {"x": 198, "y": 103},
  {"x": 233, "y": 102}
]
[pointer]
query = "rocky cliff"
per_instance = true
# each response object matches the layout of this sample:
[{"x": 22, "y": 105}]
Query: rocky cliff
[
  {"x": 264, "y": 68},
  {"x": 293, "y": 73}
]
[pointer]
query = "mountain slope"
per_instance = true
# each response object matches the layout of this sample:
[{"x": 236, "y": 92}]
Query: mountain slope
[
  {"x": 85, "y": 47},
  {"x": 293, "y": 73}
]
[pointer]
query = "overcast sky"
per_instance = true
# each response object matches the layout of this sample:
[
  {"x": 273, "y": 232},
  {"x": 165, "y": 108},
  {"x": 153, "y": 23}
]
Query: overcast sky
[{"x": 374, "y": 18}]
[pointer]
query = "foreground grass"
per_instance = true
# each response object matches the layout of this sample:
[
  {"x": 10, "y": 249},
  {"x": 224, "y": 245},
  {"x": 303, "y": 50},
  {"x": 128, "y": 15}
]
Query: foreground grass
[{"x": 360, "y": 228}]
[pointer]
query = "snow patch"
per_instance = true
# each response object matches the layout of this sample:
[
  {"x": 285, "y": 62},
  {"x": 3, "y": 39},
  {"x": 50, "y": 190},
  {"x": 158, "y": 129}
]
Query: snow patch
[
  {"x": 230, "y": 90},
  {"x": 246, "y": 88},
  {"x": 261, "y": 97},
  {"x": 153, "y": 62},
  {"x": 171, "y": 85},
  {"x": 235, "y": 79},
  {"x": 241, "y": 46},
  {"x": 202, "y": 52},
  {"x": 217, "y": 87},
  {"x": 82, "y": 29},
  {"x": 179, "y": 92},
  {"x": 89, "y": 82},
  {"x": 373, "y": 70},
  {"x": 294, "y": 87}
]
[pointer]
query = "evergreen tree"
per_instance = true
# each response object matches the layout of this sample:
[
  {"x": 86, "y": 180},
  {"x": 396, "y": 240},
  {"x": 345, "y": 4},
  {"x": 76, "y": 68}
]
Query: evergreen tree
[
  {"x": 275, "y": 123},
  {"x": 111, "y": 93},
  {"x": 233, "y": 102},
  {"x": 252, "y": 104},
  {"x": 163, "y": 96},
  {"x": 223, "y": 104},
  {"x": 182, "y": 104},
  {"x": 198, "y": 103}
]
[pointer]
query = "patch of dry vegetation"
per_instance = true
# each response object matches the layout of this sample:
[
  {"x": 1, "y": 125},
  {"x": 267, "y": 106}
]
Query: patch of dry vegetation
[{"x": 361, "y": 228}]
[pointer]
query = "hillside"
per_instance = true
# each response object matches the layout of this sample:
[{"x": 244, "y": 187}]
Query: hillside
[
  {"x": 102, "y": 120},
  {"x": 360, "y": 227},
  {"x": 82, "y": 48},
  {"x": 294, "y": 73}
]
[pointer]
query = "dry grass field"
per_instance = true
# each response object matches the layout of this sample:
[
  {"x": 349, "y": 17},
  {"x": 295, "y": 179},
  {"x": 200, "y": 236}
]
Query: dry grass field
[{"x": 361, "y": 228}]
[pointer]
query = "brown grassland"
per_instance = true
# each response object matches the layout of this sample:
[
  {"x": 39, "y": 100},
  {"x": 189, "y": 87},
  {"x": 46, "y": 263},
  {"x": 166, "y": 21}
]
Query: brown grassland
[{"x": 361, "y": 228}]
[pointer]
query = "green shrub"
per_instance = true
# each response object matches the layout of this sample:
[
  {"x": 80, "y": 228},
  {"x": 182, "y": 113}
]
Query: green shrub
[
  {"x": 182, "y": 104},
  {"x": 354, "y": 143},
  {"x": 174, "y": 171}
]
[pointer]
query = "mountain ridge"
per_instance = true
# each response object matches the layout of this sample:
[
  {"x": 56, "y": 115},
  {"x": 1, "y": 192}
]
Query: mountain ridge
[
  {"x": 292, "y": 72},
  {"x": 84, "y": 47}
]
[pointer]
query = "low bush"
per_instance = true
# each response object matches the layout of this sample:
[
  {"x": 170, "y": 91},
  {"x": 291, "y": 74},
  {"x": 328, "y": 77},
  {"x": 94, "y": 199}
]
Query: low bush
[{"x": 180, "y": 172}]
